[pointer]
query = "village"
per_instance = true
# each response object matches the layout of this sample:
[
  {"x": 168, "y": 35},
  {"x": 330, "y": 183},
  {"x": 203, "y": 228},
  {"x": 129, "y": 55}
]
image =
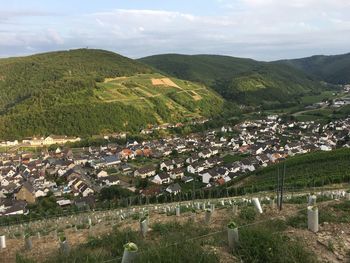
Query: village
[{"x": 167, "y": 166}]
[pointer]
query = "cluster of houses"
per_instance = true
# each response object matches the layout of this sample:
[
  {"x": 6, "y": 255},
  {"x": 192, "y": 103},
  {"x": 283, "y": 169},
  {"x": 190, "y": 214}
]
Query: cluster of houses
[
  {"x": 173, "y": 162},
  {"x": 42, "y": 141},
  {"x": 256, "y": 143}
]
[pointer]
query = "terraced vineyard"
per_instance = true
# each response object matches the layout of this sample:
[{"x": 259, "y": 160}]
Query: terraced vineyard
[{"x": 171, "y": 99}]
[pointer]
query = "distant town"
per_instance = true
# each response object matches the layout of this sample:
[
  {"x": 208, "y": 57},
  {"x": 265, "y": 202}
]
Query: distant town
[{"x": 167, "y": 166}]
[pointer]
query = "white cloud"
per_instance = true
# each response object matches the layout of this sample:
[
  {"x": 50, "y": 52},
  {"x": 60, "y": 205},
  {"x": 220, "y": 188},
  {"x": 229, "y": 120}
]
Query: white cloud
[
  {"x": 263, "y": 29},
  {"x": 54, "y": 36}
]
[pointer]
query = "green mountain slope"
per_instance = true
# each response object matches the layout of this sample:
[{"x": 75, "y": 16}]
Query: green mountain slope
[
  {"x": 85, "y": 92},
  {"x": 236, "y": 79},
  {"x": 332, "y": 69}
]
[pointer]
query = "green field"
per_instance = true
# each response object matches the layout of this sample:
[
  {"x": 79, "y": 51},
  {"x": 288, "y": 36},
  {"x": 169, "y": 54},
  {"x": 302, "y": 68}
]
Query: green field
[{"x": 328, "y": 94}]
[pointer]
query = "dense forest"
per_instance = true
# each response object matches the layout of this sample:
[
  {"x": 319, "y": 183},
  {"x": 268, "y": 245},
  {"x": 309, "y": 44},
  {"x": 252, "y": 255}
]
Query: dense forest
[
  {"x": 239, "y": 80},
  {"x": 332, "y": 69}
]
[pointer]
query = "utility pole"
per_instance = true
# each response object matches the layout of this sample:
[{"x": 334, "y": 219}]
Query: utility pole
[
  {"x": 193, "y": 193},
  {"x": 278, "y": 187},
  {"x": 282, "y": 185}
]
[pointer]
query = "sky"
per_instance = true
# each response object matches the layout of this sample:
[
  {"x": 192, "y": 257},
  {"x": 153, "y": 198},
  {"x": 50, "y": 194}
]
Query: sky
[{"x": 259, "y": 29}]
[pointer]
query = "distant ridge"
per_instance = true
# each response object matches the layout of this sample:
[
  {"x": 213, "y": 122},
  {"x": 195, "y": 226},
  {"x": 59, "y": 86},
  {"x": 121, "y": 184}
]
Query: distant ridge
[
  {"x": 238, "y": 79},
  {"x": 333, "y": 69}
]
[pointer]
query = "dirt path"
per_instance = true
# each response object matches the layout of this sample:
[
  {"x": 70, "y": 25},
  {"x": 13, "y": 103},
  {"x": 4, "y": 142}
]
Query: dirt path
[{"x": 112, "y": 79}]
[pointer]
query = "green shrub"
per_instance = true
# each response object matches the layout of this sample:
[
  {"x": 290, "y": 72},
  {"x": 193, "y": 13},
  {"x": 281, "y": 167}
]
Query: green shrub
[
  {"x": 248, "y": 214},
  {"x": 299, "y": 220}
]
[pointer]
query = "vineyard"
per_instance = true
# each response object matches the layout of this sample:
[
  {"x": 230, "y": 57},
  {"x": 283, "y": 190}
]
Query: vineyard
[{"x": 189, "y": 232}]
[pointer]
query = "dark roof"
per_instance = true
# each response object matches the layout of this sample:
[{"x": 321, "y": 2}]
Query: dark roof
[
  {"x": 28, "y": 186},
  {"x": 221, "y": 170},
  {"x": 112, "y": 178},
  {"x": 174, "y": 187},
  {"x": 178, "y": 161},
  {"x": 178, "y": 170},
  {"x": 168, "y": 163},
  {"x": 146, "y": 169},
  {"x": 111, "y": 159},
  {"x": 163, "y": 176},
  {"x": 17, "y": 206}
]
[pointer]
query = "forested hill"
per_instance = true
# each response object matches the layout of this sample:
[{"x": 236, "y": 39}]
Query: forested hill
[
  {"x": 60, "y": 73},
  {"x": 242, "y": 80},
  {"x": 332, "y": 69},
  {"x": 86, "y": 92}
]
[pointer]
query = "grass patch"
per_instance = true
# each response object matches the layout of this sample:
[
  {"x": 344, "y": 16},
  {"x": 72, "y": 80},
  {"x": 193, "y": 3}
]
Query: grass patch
[
  {"x": 166, "y": 243},
  {"x": 336, "y": 213},
  {"x": 229, "y": 158},
  {"x": 260, "y": 244},
  {"x": 247, "y": 215}
]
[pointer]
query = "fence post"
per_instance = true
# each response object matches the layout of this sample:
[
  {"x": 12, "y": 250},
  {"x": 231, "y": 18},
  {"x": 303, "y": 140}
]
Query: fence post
[
  {"x": 257, "y": 205},
  {"x": 212, "y": 208},
  {"x": 312, "y": 218},
  {"x": 193, "y": 215},
  {"x": 234, "y": 209},
  {"x": 130, "y": 252},
  {"x": 232, "y": 235},
  {"x": 347, "y": 195},
  {"x": 312, "y": 200},
  {"x": 208, "y": 213},
  {"x": 177, "y": 211},
  {"x": 272, "y": 202},
  {"x": 144, "y": 226},
  {"x": 2, "y": 242},
  {"x": 64, "y": 246},
  {"x": 28, "y": 242}
]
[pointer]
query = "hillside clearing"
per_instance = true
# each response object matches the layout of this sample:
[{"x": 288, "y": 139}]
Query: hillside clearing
[{"x": 164, "y": 82}]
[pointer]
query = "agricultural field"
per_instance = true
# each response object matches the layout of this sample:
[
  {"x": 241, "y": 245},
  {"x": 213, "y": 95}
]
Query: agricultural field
[
  {"x": 189, "y": 236},
  {"x": 171, "y": 99}
]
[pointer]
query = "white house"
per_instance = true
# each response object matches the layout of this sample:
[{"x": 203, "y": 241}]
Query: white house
[
  {"x": 173, "y": 189},
  {"x": 111, "y": 180},
  {"x": 102, "y": 174},
  {"x": 168, "y": 165},
  {"x": 40, "y": 193},
  {"x": 162, "y": 178},
  {"x": 146, "y": 171},
  {"x": 206, "y": 177},
  {"x": 325, "y": 148}
]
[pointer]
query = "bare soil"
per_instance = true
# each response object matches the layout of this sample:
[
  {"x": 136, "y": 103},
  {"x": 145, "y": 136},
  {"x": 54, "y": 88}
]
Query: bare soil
[{"x": 164, "y": 82}]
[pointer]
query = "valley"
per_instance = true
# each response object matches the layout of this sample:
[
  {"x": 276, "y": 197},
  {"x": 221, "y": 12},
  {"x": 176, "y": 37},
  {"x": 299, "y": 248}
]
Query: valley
[{"x": 112, "y": 138}]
